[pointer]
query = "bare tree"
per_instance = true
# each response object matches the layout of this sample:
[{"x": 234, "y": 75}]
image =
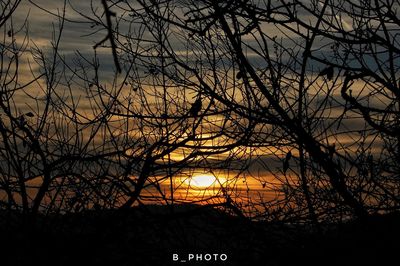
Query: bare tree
[
  {"x": 122, "y": 145},
  {"x": 286, "y": 70},
  {"x": 300, "y": 97}
]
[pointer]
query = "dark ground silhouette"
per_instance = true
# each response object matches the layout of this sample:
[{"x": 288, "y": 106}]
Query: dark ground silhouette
[{"x": 150, "y": 235}]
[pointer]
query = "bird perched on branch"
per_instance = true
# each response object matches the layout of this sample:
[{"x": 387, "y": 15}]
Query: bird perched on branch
[
  {"x": 286, "y": 162},
  {"x": 239, "y": 75},
  {"x": 196, "y": 107},
  {"x": 328, "y": 72},
  {"x": 331, "y": 150}
]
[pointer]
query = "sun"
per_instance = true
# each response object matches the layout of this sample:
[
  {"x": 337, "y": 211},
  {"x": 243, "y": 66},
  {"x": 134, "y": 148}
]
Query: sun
[{"x": 202, "y": 180}]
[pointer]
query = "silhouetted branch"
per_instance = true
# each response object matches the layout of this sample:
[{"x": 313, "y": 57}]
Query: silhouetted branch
[{"x": 110, "y": 35}]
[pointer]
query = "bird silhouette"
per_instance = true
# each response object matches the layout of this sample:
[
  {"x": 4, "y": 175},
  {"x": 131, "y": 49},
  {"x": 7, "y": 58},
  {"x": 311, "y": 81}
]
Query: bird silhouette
[
  {"x": 22, "y": 120},
  {"x": 286, "y": 162},
  {"x": 196, "y": 107},
  {"x": 239, "y": 75},
  {"x": 331, "y": 150},
  {"x": 328, "y": 72}
]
